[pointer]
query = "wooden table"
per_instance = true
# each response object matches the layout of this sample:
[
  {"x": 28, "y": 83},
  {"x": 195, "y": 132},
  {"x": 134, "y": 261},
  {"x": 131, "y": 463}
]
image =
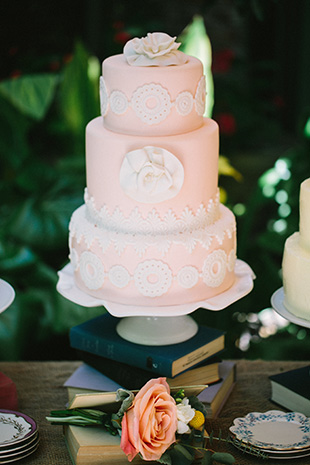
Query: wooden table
[{"x": 40, "y": 390}]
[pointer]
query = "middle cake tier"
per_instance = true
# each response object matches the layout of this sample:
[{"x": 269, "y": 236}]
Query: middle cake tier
[{"x": 162, "y": 172}]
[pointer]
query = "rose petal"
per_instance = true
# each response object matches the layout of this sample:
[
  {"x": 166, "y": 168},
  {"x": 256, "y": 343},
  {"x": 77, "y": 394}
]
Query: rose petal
[
  {"x": 126, "y": 445},
  {"x": 152, "y": 420}
]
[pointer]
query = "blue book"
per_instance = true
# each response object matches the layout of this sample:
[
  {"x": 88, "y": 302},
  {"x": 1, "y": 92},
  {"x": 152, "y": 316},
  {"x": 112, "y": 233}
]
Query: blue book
[
  {"x": 291, "y": 389},
  {"x": 98, "y": 336}
]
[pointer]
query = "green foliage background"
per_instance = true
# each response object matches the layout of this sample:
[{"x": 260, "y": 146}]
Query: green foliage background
[
  {"x": 42, "y": 125},
  {"x": 42, "y": 162}
]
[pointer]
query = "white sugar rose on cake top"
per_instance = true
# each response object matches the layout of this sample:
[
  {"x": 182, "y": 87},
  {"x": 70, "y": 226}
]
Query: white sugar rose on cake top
[
  {"x": 157, "y": 49},
  {"x": 152, "y": 231}
]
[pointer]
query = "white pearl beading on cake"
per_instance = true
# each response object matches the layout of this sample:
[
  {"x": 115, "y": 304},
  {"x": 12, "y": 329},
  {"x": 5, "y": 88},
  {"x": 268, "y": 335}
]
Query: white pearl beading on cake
[
  {"x": 189, "y": 229},
  {"x": 153, "y": 278},
  {"x": 162, "y": 103}
]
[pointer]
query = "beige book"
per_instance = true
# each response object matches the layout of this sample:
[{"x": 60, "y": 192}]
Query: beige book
[
  {"x": 107, "y": 400},
  {"x": 95, "y": 446}
]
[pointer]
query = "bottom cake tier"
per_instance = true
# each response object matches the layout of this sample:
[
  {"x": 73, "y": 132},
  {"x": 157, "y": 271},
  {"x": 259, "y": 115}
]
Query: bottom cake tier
[{"x": 153, "y": 269}]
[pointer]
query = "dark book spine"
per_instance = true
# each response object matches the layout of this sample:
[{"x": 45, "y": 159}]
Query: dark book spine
[
  {"x": 117, "y": 351},
  {"x": 99, "y": 337}
]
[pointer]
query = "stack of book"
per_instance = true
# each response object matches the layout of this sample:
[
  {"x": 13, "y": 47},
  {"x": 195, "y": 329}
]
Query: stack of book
[{"x": 110, "y": 362}]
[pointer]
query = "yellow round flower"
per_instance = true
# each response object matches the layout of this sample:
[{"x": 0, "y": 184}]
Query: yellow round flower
[{"x": 198, "y": 420}]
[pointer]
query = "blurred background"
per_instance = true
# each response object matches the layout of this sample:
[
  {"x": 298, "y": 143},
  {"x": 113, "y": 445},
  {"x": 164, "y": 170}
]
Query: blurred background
[{"x": 257, "y": 60}]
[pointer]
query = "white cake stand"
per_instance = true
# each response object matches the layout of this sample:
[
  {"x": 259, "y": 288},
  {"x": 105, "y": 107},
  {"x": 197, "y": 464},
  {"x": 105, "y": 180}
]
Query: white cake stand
[
  {"x": 158, "y": 325},
  {"x": 277, "y": 302},
  {"x": 7, "y": 295}
]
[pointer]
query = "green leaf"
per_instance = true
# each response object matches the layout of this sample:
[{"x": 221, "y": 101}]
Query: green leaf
[
  {"x": 16, "y": 258},
  {"x": 79, "y": 94},
  {"x": 197, "y": 405},
  {"x": 31, "y": 94},
  {"x": 181, "y": 456},
  {"x": 224, "y": 458},
  {"x": 82, "y": 417},
  {"x": 42, "y": 222},
  {"x": 207, "y": 458},
  {"x": 14, "y": 144},
  {"x": 126, "y": 397},
  {"x": 166, "y": 458}
]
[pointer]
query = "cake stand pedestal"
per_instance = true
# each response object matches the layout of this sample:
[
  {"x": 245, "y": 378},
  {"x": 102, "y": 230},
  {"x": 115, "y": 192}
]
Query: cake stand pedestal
[{"x": 157, "y": 325}]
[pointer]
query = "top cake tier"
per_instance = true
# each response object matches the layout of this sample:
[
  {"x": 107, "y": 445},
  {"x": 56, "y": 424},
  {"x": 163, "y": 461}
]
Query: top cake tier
[{"x": 151, "y": 91}]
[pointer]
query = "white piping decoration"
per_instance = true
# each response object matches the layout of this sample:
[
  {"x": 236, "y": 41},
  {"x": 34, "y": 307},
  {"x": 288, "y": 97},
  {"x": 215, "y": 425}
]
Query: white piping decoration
[
  {"x": 202, "y": 227},
  {"x": 153, "y": 278},
  {"x": 92, "y": 270},
  {"x": 214, "y": 268},
  {"x": 153, "y": 223},
  {"x": 158, "y": 96}
]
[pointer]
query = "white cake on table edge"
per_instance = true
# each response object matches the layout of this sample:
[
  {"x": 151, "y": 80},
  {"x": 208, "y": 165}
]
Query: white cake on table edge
[{"x": 296, "y": 261}]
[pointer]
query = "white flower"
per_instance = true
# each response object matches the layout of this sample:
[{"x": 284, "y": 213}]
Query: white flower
[
  {"x": 151, "y": 174},
  {"x": 156, "y": 49},
  {"x": 185, "y": 413}
]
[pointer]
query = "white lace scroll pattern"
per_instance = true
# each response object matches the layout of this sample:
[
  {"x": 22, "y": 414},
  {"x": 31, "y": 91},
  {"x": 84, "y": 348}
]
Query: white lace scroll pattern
[
  {"x": 153, "y": 278},
  {"x": 135, "y": 223},
  {"x": 140, "y": 233},
  {"x": 152, "y": 102}
]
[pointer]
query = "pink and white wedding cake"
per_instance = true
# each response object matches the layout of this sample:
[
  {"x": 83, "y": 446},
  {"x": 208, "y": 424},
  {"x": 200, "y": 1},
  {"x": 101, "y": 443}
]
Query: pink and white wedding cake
[
  {"x": 152, "y": 231},
  {"x": 296, "y": 261}
]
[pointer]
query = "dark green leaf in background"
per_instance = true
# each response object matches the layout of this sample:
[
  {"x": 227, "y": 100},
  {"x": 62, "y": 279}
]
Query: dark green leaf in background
[{"x": 31, "y": 95}]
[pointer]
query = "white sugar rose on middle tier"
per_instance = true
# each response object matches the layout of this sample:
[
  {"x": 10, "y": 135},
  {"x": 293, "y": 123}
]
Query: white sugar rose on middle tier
[
  {"x": 151, "y": 175},
  {"x": 152, "y": 232}
]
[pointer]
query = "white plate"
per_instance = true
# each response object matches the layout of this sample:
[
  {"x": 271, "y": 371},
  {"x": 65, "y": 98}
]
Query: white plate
[
  {"x": 273, "y": 430},
  {"x": 19, "y": 446},
  {"x": 17, "y": 454},
  {"x": 21, "y": 456},
  {"x": 241, "y": 287},
  {"x": 15, "y": 427},
  {"x": 7, "y": 295},
  {"x": 277, "y": 302},
  {"x": 279, "y": 455}
]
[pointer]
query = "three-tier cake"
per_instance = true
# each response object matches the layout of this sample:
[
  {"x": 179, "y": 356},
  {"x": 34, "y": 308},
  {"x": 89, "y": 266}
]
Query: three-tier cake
[{"x": 152, "y": 231}]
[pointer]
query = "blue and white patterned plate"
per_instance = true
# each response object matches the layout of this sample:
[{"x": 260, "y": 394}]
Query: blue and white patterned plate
[{"x": 273, "y": 430}]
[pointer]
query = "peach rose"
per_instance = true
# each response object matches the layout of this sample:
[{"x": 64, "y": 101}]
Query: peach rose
[{"x": 150, "y": 424}]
